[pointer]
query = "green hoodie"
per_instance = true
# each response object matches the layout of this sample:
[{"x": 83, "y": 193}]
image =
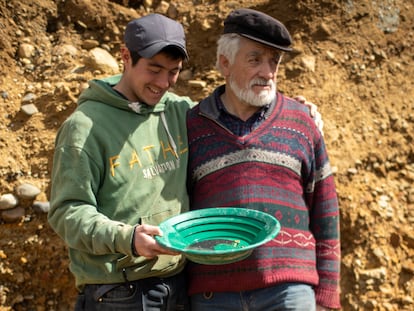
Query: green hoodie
[{"x": 115, "y": 167}]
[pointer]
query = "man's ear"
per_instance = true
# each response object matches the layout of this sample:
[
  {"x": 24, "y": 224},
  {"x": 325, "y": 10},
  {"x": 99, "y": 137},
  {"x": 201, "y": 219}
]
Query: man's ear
[
  {"x": 125, "y": 55},
  {"x": 224, "y": 65}
]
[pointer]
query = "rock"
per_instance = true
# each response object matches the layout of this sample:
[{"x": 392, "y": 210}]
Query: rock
[
  {"x": 410, "y": 196},
  {"x": 352, "y": 171},
  {"x": 186, "y": 75},
  {"x": 90, "y": 44},
  {"x": 29, "y": 109},
  {"x": 28, "y": 97},
  {"x": 308, "y": 62},
  {"x": 324, "y": 30},
  {"x": 8, "y": 201},
  {"x": 197, "y": 83},
  {"x": 331, "y": 55},
  {"x": 13, "y": 215},
  {"x": 101, "y": 60},
  {"x": 65, "y": 49},
  {"x": 205, "y": 25},
  {"x": 377, "y": 273},
  {"x": 172, "y": 11},
  {"x": 27, "y": 191},
  {"x": 147, "y": 3},
  {"x": 26, "y": 50},
  {"x": 163, "y": 8},
  {"x": 41, "y": 207}
]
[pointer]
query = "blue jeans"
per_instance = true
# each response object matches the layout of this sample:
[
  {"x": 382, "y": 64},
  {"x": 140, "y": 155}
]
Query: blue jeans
[
  {"x": 284, "y": 297},
  {"x": 151, "y": 294}
]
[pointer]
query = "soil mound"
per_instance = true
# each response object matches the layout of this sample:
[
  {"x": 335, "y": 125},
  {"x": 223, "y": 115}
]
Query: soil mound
[{"x": 353, "y": 58}]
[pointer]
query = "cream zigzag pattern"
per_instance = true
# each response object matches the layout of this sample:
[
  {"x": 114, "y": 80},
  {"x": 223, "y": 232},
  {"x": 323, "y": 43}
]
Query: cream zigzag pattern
[
  {"x": 303, "y": 240},
  {"x": 299, "y": 239},
  {"x": 329, "y": 250}
]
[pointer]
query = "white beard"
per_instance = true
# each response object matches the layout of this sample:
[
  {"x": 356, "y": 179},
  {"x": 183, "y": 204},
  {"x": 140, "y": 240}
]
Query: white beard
[{"x": 249, "y": 97}]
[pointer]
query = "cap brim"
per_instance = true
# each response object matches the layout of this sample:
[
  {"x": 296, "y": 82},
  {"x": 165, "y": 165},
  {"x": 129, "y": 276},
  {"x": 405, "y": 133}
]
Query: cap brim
[
  {"x": 279, "y": 47},
  {"x": 155, "y": 48}
]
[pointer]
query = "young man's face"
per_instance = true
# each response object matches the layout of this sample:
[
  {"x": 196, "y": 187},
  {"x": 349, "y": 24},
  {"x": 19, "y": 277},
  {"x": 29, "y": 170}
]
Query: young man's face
[
  {"x": 150, "y": 78},
  {"x": 252, "y": 77}
]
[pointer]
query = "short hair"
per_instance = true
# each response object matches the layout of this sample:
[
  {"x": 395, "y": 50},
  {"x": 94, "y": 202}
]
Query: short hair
[
  {"x": 135, "y": 57},
  {"x": 227, "y": 45},
  {"x": 171, "y": 51}
]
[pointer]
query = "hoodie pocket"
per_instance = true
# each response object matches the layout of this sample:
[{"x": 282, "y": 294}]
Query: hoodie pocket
[{"x": 140, "y": 267}]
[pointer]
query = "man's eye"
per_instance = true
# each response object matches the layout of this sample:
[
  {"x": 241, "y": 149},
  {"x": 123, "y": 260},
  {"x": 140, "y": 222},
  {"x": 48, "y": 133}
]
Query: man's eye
[{"x": 155, "y": 70}]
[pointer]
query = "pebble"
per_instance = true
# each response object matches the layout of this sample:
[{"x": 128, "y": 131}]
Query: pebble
[
  {"x": 13, "y": 215},
  {"x": 26, "y": 50},
  {"x": 163, "y": 8},
  {"x": 8, "y": 201},
  {"x": 410, "y": 196},
  {"x": 90, "y": 44},
  {"x": 186, "y": 75},
  {"x": 27, "y": 191},
  {"x": 376, "y": 273},
  {"x": 41, "y": 207},
  {"x": 172, "y": 11},
  {"x": 324, "y": 29},
  {"x": 28, "y": 97},
  {"x": 29, "y": 109},
  {"x": 197, "y": 83},
  {"x": 99, "y": 59},
  {"x": 309, "y": 62},
  {"x": 65, "y": 49}
]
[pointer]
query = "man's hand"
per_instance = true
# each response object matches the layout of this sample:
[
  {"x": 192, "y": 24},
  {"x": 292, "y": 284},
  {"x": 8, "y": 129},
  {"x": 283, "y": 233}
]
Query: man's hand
[
  {"x": 145, "y": 244},
  {"x": 317, "y": 117}
]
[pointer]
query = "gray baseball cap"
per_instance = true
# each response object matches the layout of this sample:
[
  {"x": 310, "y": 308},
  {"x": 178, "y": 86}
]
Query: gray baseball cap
[{"x": 149, "y": 34}]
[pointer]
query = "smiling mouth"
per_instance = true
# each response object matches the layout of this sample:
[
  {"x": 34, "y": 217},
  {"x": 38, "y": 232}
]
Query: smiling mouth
[{"x": 155, "y": 91}]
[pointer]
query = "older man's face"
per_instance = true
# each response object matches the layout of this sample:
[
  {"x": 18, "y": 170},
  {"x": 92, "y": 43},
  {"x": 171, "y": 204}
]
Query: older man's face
[{"x": 252, "y": 77}]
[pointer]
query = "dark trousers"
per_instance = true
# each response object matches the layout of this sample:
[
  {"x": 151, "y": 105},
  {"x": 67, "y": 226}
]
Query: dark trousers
[{"x": 151, "y": 294}]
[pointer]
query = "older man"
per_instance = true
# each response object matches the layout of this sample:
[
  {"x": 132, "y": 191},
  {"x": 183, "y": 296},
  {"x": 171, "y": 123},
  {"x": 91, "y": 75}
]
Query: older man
[{"x": 251, "y": 146}]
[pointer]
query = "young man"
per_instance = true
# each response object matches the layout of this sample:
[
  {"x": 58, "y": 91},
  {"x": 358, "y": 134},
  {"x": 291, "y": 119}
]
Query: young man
[
  {"x": 118, "y": 166},
  {"x": 252, "y": 147}
]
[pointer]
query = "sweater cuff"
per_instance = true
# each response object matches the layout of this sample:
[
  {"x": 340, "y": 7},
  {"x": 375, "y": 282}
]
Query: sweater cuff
[{"x": 327, "y": 298}]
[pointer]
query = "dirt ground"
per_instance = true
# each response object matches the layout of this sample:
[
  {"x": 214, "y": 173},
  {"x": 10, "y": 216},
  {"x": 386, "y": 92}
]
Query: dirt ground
[{"x": 352, "y": 58}]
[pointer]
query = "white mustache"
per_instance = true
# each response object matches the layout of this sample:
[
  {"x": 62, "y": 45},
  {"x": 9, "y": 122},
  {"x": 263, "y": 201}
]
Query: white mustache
[{"x": 261, "y": 82}]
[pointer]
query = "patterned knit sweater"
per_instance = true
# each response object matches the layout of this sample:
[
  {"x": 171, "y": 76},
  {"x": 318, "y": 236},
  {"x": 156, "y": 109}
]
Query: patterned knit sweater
[{"x": 282, "y": 168}]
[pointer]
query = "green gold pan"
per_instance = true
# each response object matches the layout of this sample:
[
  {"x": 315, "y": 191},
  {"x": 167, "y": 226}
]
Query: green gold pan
[{"x": 218, "y": 235}]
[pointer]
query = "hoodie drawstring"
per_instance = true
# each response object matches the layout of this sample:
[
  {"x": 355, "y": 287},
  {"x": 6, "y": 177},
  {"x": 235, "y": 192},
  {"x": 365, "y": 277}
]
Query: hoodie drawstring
[{"x": 170, "y": 138}]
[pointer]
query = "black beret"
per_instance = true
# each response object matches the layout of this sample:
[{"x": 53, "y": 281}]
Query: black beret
[{"x": 259, "y": 27}]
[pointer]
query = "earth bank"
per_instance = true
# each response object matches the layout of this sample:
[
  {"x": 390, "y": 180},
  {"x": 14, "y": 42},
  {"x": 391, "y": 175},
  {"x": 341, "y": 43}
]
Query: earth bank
[{"x": 353, "y": 58}]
